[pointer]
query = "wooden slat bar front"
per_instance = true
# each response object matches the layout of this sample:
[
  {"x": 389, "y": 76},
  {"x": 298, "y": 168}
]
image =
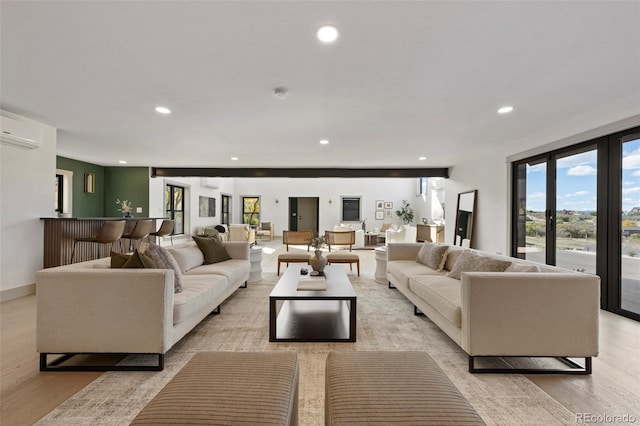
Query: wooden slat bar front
[{"x": 59, "y": 234}]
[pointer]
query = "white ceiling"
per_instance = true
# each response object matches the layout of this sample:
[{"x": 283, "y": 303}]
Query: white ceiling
[{"x": 404, "y": 79}]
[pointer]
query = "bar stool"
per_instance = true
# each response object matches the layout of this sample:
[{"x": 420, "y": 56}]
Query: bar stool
[
  {"x": 110, "y": 232},
  {"x": 140, "y": 231},
  {"x": 166, "y": 228}
]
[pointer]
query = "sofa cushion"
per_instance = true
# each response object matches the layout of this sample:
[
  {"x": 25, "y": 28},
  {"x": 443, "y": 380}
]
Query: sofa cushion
[
  {"x": 212, "y": 249},
  {"x": 235, "y": 270},
  {"x": 401, "y": 270},
  {"x": 198, "y": 291},
  {"x": 472, "y": 262},
  {"x": 165, "y": 260},
  {"x": 442, "y": 293},
  {"x": 432, "y": 255},
  {"x": 188, "y": 256}
]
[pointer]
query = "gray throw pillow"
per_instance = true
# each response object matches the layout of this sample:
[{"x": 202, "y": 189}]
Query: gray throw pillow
[
  {"x": 471, "y": 262},
  {"x": 432, "y": 255},
  {"x": 164, "y": 260},
  {"x": 213, "y": 249}
]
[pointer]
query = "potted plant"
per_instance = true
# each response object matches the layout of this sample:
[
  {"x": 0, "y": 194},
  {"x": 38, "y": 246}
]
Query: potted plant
[
  {"x": 125, "y": 207},
  {"x": 405, "y": 213}
]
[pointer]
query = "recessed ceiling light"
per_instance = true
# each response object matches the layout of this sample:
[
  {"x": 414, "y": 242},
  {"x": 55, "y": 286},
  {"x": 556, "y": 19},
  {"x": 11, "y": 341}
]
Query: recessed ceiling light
[
  {"x": 324, "y": 142},
  {"x": 163, "y": 110},
  {"x": 327, "y": 33},
  {"x": 505, "y": 110},
  {"x": 280, "y": 93},
  {"x": 422, "y": 158},
  {"x": 234, "y": 158},
  {"x": 122, "y": 162}
]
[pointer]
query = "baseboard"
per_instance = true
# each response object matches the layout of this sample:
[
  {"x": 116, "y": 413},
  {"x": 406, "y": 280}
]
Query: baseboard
[{"x": 15, "y": 293}]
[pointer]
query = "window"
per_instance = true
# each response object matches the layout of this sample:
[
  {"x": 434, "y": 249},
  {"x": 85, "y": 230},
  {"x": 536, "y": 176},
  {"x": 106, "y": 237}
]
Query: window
[
  {"x": 577, "y": 208},
  {"x": 226, "y": 209},
  {"x": 174, "y": 206},
  {"x": 423, "y": 186},
  {"x": 251, "y": 210},
  {"x": 350, "y": 209}
]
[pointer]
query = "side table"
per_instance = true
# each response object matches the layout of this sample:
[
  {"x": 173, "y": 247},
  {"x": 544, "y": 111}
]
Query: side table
[
  {"x": 370, "y": 239},
  {"x": 381, "y": 265},
  {"x": 255, "y": 258}
]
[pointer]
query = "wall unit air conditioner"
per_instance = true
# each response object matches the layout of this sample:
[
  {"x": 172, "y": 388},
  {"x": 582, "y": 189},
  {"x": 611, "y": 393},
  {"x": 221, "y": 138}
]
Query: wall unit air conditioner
[
  {"x": 19, "y": 134},
  {"x": 210, "y": 183}
]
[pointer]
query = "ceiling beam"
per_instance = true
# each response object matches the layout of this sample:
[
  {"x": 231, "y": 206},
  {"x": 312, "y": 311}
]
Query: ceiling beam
[{"x": 325, "y": 172}]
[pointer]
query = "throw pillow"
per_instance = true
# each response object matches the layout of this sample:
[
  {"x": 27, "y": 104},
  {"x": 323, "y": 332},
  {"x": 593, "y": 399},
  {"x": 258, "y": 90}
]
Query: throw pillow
[
  {"x": 471, "y": 262},
  {"x": 140, "y": 260},
  {"x": 212, "y": 249},
  {"x": 164, "y": 260},
  {"x": 432, "y": 255},
  {"x": 119, "y": 259},
  {"x": 385, "y": 226},
  {"x": 211, "y": 232},
  {"x": 519, "y": 267}
]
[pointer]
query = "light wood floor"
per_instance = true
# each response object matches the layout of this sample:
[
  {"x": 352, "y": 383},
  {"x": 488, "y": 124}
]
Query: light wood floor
[{"x": 27, "y": 395}]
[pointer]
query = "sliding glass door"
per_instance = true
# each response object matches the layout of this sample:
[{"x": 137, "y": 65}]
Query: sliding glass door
[
  {"x": 579, "y": 208},
  {"x": 630, "y": 225},
  {"x": 576, "y": 210}
]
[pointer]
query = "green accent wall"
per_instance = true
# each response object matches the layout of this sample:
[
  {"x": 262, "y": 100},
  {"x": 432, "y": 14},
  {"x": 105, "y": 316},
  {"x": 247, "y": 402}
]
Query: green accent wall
[
  {"x": 126, "y": 183},
  {"x": 84, "y": 204},
  {"x": 111, "y": 183}
]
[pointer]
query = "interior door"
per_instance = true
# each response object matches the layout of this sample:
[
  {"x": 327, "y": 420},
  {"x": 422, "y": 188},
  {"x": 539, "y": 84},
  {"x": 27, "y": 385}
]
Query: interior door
[{"x": 303, "y": 213}]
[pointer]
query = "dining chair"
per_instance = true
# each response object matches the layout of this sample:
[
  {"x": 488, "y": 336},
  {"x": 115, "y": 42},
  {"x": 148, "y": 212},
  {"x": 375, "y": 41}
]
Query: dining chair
[{"x": 110, "y": 232}]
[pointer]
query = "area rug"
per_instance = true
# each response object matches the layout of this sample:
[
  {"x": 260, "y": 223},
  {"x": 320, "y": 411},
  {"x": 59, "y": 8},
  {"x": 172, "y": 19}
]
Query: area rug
[{"x": 385, "y": 322}]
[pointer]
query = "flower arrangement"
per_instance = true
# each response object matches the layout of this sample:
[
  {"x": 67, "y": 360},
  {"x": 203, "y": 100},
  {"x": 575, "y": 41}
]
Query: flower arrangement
[
  {"x": 125, "y": 206},
  {"x": 405, "y": 213},
  {"x": 317, "y": 242}
]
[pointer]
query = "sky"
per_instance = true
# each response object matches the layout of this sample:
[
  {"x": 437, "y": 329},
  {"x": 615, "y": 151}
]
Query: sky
[{"x": 576, "y": 181}]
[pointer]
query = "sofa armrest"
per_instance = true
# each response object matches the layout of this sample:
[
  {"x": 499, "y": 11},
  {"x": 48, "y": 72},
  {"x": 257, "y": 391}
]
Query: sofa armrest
[
  {"x": 104, "y": 310},
  {"x": 237, "y": 249},
  {"x": 530, "y": 314},
  {"x": 403, "y": 251}
]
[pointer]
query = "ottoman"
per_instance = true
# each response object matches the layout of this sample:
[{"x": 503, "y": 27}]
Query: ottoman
[
  {"x": 292, "y": 258},
  {"x": 258, "y": 388},
  {"x": 344, "y": 257},
  {"x": 399, "y": 388}
]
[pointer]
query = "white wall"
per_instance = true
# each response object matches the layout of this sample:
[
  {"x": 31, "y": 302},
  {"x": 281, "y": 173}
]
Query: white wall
[
  {"x": 26, "y": 194},
  {"x": 369, "y": 189},
  {"x": 194, "y": 190}
]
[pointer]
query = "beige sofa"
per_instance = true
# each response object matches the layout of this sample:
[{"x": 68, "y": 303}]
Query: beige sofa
[
  {"x": 89, "y": 307},
  {"x": 527, "y": 310}
]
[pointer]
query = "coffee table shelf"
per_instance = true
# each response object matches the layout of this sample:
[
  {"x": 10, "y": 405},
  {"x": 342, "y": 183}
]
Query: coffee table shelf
[{"x": 313, "y": 316}]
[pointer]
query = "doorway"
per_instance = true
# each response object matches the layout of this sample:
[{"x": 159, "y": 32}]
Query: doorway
[{"x": 304, "y": 213}]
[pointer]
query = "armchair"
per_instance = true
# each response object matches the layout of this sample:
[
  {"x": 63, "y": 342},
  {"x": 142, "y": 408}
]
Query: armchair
[
  {"x": 265, "y": 229},
  {"x": 242, "y": 232},
  {"x": 359, "y": 234},
  {"x": 341, "y": 238},
  {"x": 404, "y": 234}
]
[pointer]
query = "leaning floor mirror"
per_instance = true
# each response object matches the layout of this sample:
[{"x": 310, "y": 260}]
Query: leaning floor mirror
[{"x": 464, "y": 218}]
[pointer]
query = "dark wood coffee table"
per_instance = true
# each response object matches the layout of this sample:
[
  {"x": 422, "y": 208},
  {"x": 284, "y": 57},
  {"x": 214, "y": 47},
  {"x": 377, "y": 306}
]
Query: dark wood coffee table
[{"x": 313, "y": 316}]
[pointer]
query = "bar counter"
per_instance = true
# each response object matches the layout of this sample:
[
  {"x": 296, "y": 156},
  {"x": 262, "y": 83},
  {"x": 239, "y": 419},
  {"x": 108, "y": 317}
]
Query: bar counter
[{"x": 60, "y": 232}]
